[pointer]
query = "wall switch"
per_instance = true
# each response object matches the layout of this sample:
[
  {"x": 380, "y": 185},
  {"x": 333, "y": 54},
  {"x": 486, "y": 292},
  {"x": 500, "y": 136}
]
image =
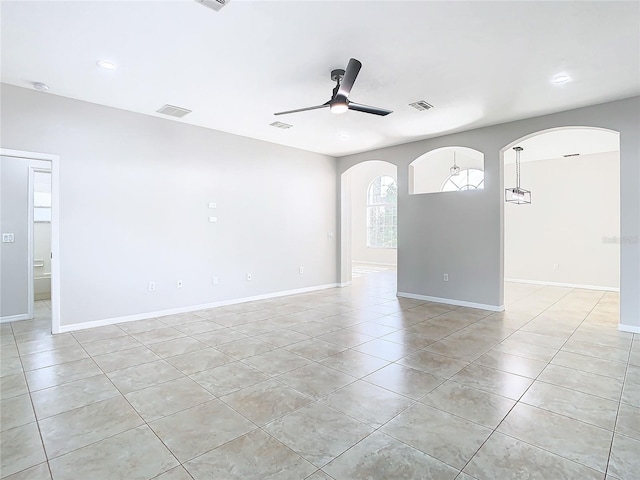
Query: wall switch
[
  {"x": 8, "y": 238},
  {"x": 216, "y": 281},
  {"x": 329, "y": 234},
  {"x": 445, "y": 277},
  {"x": 301, "y": 270},
  {"x": 152, "y": 286},
  {"x": 248, "y": 277},
  {"x": 179, "y": 283},
  {"x": 213, "y": 205},
  {"x": 556, "y": 266},
  {"x": 213, "y": 219}
]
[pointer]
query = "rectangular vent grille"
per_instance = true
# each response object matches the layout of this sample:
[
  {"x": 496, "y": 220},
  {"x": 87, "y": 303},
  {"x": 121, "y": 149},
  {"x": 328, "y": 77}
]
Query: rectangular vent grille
[
  {"x": 214, "y": 4},
  {"x": 284, "y": 126},
  {"x": 571, "y": 155},
  {"x": 421, "y": 105},
  {"x": 173, "y": 111}
]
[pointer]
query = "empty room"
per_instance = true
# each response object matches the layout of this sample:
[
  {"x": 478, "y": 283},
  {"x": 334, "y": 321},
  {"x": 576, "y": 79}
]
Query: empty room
[{"x": 321, "y": 240}]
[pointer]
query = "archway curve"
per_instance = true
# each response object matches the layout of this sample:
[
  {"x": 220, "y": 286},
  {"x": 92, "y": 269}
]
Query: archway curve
[
  {"x": 614, "y": 137},
  {"x": 429, "y": 177},
  {"x": 345, "y": 231}
]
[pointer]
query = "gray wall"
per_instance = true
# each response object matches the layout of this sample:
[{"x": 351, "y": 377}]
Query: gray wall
[
  {"x": 462, "y": 234},
  {"x": 14, "y": 272},
  {"x": 134, "y": 194}
]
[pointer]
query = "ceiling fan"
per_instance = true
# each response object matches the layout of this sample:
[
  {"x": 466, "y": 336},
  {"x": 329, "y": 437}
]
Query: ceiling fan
[{"x": 340, "y": 102}]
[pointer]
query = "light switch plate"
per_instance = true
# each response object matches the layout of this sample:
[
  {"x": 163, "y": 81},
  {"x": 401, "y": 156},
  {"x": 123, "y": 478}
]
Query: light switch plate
[
  {"x": 213, "y": 219},
  {"x": 8, "y": 238},
  {"x": 213, "y": 205}
]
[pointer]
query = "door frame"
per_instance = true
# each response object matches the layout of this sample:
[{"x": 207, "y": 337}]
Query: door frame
[{"x": 54, "y": 161}]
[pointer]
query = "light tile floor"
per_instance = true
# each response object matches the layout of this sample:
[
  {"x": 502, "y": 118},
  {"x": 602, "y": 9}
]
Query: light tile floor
[{"x": 348, "y": 383}]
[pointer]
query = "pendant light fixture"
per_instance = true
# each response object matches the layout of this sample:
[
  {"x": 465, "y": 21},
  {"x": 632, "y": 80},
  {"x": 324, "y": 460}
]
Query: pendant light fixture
[
  {"x": 517, "y": 195},
  {"x": 455, "y": 169}
]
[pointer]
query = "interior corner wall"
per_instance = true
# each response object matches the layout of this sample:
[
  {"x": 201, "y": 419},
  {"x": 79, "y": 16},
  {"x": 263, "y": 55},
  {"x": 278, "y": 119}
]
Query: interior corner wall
[
  {"x": 570, "y": 232},
  {"x": 134, "y": 193},
  {"x": 361, "y": 177},
  {"x": 461, "y": 233}
]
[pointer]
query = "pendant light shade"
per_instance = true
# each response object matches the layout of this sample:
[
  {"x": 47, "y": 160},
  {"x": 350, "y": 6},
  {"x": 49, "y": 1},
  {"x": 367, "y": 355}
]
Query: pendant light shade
[{"x": 517, "y": 194}]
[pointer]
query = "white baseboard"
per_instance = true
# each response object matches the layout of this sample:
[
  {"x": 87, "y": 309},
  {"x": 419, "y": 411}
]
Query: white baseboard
[
  {"x": 15, "y": 318},
  {"x": 343, "y": 284},
  {"x": 450, "y": 301},
  {"x": 559, "y": 284},
  {"x": 191, "y": 308},
  {"x": 628, "y": 328},
  {"x": 359, "y": 262}
]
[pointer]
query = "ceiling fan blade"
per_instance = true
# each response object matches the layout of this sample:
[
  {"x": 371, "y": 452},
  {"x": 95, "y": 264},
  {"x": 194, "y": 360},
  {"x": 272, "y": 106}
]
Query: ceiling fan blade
[
  {"x": 324, "y": 105},
  {"x": 350, "y": 74},
  {"x": 367, "y": 109}
]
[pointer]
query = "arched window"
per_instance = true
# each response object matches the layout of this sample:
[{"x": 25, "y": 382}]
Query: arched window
[
  {"x": 469, "y": 179},
  {"x": 382, "y": 213}
]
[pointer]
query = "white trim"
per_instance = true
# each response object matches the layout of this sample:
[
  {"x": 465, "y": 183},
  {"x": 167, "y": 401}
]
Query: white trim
[
  {"x": 376, "y": 263},
  {"x": 559, "y": 284},
  {"x": 55, "y": 226},
  {"x": 628, "y": 328},
  {"x": 15, "y": 318},
  {"x": 450, "y": 301},
  {"x": 192, "y": 308},
  {"x": 344, "y": 284}
]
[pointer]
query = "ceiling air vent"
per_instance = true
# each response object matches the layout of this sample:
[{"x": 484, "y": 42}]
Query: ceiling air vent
[
  {"x": 213, "y": 4},
  {"x": 173, "y": 111},
  {"x": 284, "y": 126},
  {"x": 571, "y": 155},
  {"x": 421, "y": 105}
]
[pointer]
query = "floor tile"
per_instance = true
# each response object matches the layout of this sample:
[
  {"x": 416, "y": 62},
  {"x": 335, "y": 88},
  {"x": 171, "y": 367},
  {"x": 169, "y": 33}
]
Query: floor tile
[
  {"x": 266, "y": 401},
  {"x": 380, "y": 456},
  {"x": 385, "y": 349},
  {"x": 229, "y": 378},
  {"x": 628, "y": 422},
  {"x": 599, "y": 351},
  {"x": 161, "y": 400},
  {"x": 142, "y": 376},
  {"x": 505, "y": 458},
  {"x": 277, "y": 361},
  {"x": 591, "y": 383},
  {"x": 316, "y": 380},
  {"x": 77, "y": 428},
  {"x": 53, "y": 357},
  {"x": 62, "y": 398},
  {"x": 625, "y": 461},
  {"x": 527, "y": 350},
  {"x": 110, "y": 345},
  {"x": 506, "y": 362},
  {"x": 12, "y": 385},
  {"x": 16, "y": 411},
  {"x": 197, "y": 430},
  {"x": 48, "y": 343},
  {"x": 158, "y": 335},
  {"x": 194, "y": 362},
  {"x": 493, "y": 381},
  {"x": 220, "y": 337},
  {"x": 195, "y": 328},
  {"x": 631, "y": 390},
  {"x": 282, "y": 338},
  {"x": 354, "y": 363},
  {"x": 99, "y": 333},
  {"x": 178, "y": 473},
  {"x": 433, "y": 363},
  {"x": 255, "y": 456},
  {"x": 470, "y": 403},
  {"x": 177, "y": 346},
  {"x": 345, "y": 338},
  {"x": 448, "y": 438},
  {"x": 60, "y": 374},
  {"x": 21, "y": 448},
  {"x": 245, "y": 348},
  {"x": 404, "y": 380},
  {"x": 315, "y": 349},
  {"x": 367, "y": 403},
  {"x": 96, "y": 461},
  {"x": 10, "y": 366},
  {"x": 140, "y": 326},
  {"x": 590, "y": 364},
  {"x": 571, "y": 403},
  {"x": 567, "y": 437},
  {"x": 318, "y": 433},
  {"x": 125, "y": 358},
  {"x": 411, "y": 340},
  {"x": 39, "y": 472}
]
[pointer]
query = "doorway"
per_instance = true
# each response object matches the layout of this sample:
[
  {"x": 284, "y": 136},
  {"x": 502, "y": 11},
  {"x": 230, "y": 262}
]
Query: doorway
[{"x": 29, "y": 289}]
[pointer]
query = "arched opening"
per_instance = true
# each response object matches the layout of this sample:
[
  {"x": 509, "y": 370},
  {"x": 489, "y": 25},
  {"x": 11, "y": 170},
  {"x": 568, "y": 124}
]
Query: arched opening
[
  {"x": 447, "y": 169},
  {"x": 369, "y": 220},
  {"x": 567, "y": 240}
]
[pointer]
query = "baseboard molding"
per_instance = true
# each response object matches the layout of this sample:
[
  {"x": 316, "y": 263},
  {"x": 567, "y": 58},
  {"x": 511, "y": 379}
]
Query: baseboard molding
[
  {"x": 628, "y": 328},
  {"x": 343, "y": 284},
  {"x": 450, "y": 301},
  {"x": 374, "y": 263},
  {"x": 191, "y": 308},
  {"x": 15, "y": 318},
  {"x": 559, "y": 284}
]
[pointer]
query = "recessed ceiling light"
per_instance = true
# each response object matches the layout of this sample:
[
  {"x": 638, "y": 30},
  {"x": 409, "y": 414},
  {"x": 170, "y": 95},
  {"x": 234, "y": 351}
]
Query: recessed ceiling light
[
  {"x": 561, "y": 79},
  {"x": 43, "y": 87},
  {"x": 106, "y": 64},
  {"x": 344, "y": 136}
]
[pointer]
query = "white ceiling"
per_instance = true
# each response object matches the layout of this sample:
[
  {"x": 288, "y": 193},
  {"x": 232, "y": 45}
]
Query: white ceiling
[{"x": 478, "y": 63}]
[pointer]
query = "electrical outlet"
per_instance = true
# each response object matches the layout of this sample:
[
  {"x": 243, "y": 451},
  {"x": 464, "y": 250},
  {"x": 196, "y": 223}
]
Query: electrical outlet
[
  {"x": 179, "y": 283},
  {"x": 152, "y": 286},
  {"x": 8, "y": 238},
  {"x": 216, "y": 281},
  {"x": 445, "y": 277},
  {"x": 329, "y": 234},
  {"x": 556, "y": 266},
  {"x": 301, "y": 270},
  {"x": 248, "y": 277}
]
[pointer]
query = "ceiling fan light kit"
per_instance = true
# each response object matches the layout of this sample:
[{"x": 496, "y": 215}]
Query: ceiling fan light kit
[
  {"x": 517, "y": 195},
  {"x": 340, "y": 102}
]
